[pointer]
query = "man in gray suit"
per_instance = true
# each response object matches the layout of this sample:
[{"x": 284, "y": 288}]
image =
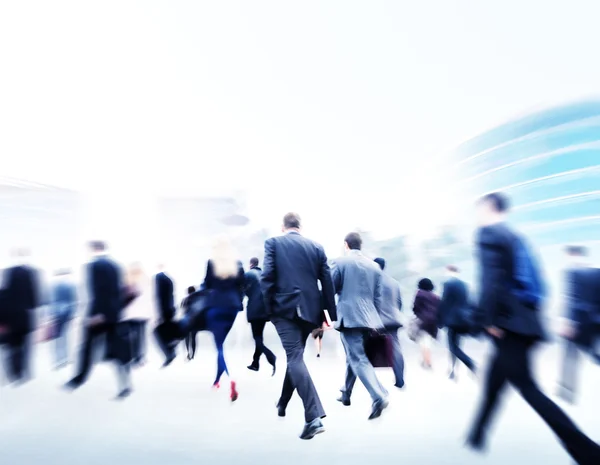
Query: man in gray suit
[
  {"x": 358, "y": 283},
  {"x": 391, "y": 305}
]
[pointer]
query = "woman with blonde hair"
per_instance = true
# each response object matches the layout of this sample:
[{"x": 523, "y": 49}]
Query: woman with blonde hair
[
  {"x": 139, "y": 310},
  {"x": 224, "y": 287}
]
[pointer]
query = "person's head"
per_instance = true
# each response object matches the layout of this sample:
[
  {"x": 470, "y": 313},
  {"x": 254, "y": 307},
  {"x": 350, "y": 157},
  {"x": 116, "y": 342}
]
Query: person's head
[
  {"x": 291, "y": 222},
  {"x": 135, "y": 273},
  {"x": 452, "y": 270},
  {"x": 492, "y": 208},
  {"x": 191, "y": 290},
  {"x": 353, "y": 241},
  {"x": 381, "y": 262},
  {"x": 97, "y": 247},
  {"x": 224, "y": 258},
  {"x": 577, "y": 255},
  {"x": 425, "y": 284},
  {"x": 253, "y": 262}
]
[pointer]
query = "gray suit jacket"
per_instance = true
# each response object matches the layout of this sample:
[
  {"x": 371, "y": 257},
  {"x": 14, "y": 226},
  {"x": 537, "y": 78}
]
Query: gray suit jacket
[
  {"x": 391, "y": 303},
  {"x": 358, "y": 283}
]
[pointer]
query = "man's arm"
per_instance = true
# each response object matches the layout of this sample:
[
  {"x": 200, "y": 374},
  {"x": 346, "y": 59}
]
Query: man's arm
[
  {"x": 328, "y": 289},
  {"x": 378, "y": 294},
  {"x": 491, "y": 275},
  {"x": 399, "y": 302},
  {"x": 268, "y": 277}
]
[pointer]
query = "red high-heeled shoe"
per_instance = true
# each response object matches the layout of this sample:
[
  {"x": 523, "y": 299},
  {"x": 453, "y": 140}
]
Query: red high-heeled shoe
[
  {"x": 234, "y": 394},
  {"x": 216, "y": 385}
]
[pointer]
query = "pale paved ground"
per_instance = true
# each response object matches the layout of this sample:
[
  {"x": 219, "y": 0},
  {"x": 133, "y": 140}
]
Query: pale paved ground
[{"x": 174, "y": 418}]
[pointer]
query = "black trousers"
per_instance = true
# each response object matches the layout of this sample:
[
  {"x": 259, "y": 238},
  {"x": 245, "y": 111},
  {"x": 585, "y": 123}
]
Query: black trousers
[
  {"x": 190, "y": 344},
  {"x": 18, "y": 347},
  {"x": 293, "y": 335},
  {"x": 258, "y": 329},
  {"x": 511, "y": 364},
  {"x": 138, "y": 339},
  {"x": 456, "y": 352},
  {"x": 91, "y": 336}
]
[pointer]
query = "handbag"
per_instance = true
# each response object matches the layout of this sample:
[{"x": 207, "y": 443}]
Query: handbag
[
  {"x": 378, "y": 347},
  {"x": 414, "y": 329}
]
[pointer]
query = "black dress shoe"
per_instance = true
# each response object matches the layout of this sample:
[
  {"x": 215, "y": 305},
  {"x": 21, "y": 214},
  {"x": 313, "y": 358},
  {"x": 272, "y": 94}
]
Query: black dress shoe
[
  {"x": 71, "y": 385},
  {"x": 168, "y": 361},
  {"x": 280, "y": 411},
  {"x": 378, "y": 408},
  {"x": 312, "y": 429},
  {"x": 123, "y": 394},
  {"x": 252, "y": 368},
  {"x": 344, "y": 401},
  {"x": 399, "y": 385},
  {"x": 475, "y": 444}
]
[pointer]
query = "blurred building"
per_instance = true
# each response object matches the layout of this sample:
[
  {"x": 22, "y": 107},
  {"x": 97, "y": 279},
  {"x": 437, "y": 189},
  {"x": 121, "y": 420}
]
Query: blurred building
[
  {"x": 549, "y": 165},
  {"x": 46, "y": 219}
]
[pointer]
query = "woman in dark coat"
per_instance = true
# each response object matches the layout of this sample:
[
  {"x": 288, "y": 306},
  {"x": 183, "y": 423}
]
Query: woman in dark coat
[
  {"x": 426, "y": 310},
  {"x": 224, "y": 287}
]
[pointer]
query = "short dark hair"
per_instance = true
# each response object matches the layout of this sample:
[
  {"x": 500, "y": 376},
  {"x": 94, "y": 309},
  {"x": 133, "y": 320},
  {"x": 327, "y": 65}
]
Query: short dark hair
[
  {"x": 98, "y": 246},
  {"x": 497, "y": 200},
  {"x": 353, "y": 240},
  {"x": 381, "y": 262},
  {"x": 426, "y": 285},
  {"x": 452, "y": 268},
  {"x": 254, "y": 261},
  {"x": 291, "y": 221},
  {"x": 191, "y": 290},
  {"x": 577, "y": 250}
]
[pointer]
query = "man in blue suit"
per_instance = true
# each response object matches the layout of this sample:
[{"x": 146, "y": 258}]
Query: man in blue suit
[
  {"x": 105, "y": 306},
  {"x": 511, "y": 298},
  {"x": 293, "y": 268},
  {"x": 582, "y": 307}
]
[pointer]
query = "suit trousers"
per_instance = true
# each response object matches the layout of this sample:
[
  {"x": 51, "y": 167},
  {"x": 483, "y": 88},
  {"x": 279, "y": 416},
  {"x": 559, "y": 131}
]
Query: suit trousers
[
  {"x": 397, "y": 357},
  {"x": 456, "y": 352},
  {"x": 258, "y": 329},
  {"x": 293, "y": 335},
  {"x": 358, "y": 365},
  {"x": 91, "y": 336},
  {"x": 19, "y": 352},
  {"x": 511, "y": 364}
]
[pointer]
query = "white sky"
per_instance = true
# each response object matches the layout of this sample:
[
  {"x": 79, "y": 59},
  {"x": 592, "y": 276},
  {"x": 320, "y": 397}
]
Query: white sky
[{"x": 331, "y": 108}]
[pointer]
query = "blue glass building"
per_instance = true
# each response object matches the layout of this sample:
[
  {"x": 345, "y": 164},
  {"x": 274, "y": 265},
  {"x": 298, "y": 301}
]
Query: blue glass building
[{"x": 548, "y": 163}]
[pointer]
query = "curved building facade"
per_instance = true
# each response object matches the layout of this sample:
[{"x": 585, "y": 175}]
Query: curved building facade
[{"x": 548, "y": 163}]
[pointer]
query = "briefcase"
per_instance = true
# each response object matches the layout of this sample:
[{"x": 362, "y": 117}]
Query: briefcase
[{"x": 379, "y": 350}]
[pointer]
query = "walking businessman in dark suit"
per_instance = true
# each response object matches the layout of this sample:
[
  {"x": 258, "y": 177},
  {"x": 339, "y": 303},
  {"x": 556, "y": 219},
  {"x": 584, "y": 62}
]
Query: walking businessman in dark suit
[
  {"x": 582, "y": 310},
  {"x": 293, "y": 266},
  {"x": 165, "y": 300},
  {"x": 21, "y": 298},
  {"x": 453, "y": 313},
  {"x": 256, "y": 313},
  {"x": 511, "y": 297},
  {"x": 106, "y": 304}
]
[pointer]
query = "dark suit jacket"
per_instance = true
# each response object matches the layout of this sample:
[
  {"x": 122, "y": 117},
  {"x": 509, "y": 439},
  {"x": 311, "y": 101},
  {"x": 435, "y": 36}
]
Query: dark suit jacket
[
  {"x": 105, "y": 289},
  {"x": 165, "y": 297},
  {"x": 498, "y": 304},
  {"x": 255, "y": 309},
  {"x": 293, "y": 266},
  {"x": 583, "y": 302},
  {"x": 454, "y": 306},
  {"x": 21, "y": 295},
  {"x": 224, "y": 293}
]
